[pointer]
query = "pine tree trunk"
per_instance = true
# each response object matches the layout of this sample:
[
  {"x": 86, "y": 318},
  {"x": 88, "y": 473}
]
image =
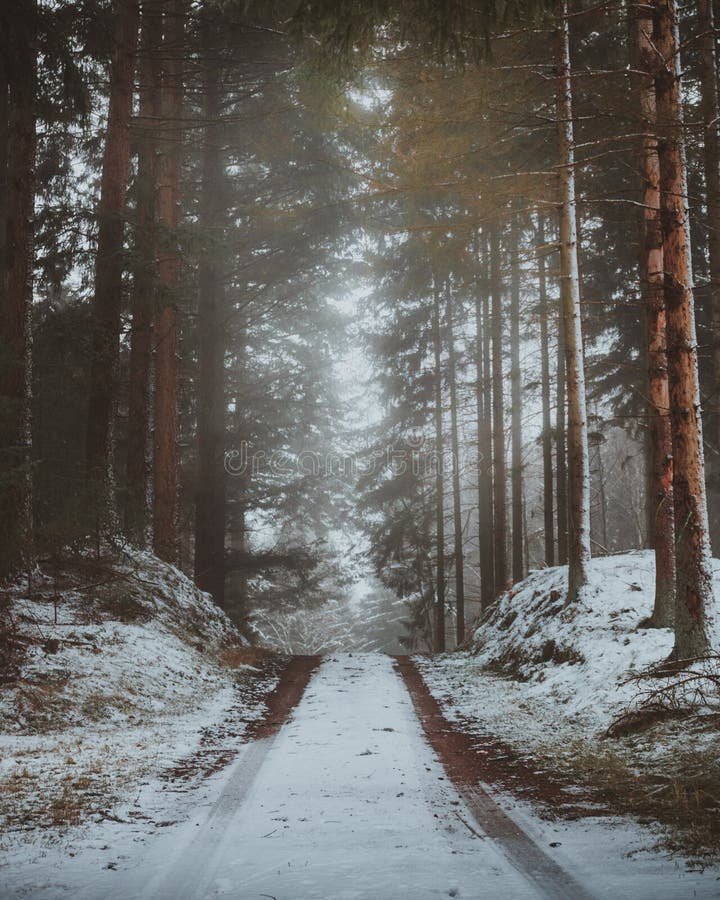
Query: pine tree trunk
[
  {"x": 578, "y": 456},
  {"x": 488, "y": 430},
  {"x": 16, "y": 533},
  {"x": 439, "y": 636},
  {"x": 526, "y": 540},
  {"x": 548, "y": 512},
  {"x": 107, "y": 298},
  {"x": 236, "y": 586},
  {"x": 660, "y": 462},
  {"x": 693, "y": 559},
  {"x": 4, "y": 138},
  {"x": 516, "y": 409},
  {"x": 457, "y": 497},
  {"x": 561, "y": 449},
  {"x": 499, "y": 498},
  {"x": 484, "y": 417},
  {"x": 602, "y": 493},
  {"x": 166, "y": 467},
  {"x": 210, "y": 496},
  {"x": 711, "y": 160},
  {"x": 139, "y": 455},
  {"x": 236, "y": 602}
]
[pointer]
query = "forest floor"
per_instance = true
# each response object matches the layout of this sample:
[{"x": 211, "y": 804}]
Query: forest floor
[
  {"x": 114, "y": 669},
  {"x": 146, "y": 751},
  {"x": 576, "y": 694},
  {"x": 347, "y": 799}
]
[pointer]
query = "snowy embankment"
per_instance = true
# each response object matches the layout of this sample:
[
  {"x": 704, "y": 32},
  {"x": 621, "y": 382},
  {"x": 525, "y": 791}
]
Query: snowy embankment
[
  {"x": 116, "y": 670},
  {"x": 549, "y": 678}
]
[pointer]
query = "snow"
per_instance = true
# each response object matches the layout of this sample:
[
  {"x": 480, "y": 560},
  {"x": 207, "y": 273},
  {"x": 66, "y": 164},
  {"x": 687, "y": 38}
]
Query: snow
[
  {"x": 599, "y": 635},
  {"x": 136, "y": 678},
  {"x": 554, "y": 702},
  {"x": 613, "y": 857},
  {"x": 108, "y": 787},
  {"x": 346, "y": 801},
  {"x": 351, "y": 803}
]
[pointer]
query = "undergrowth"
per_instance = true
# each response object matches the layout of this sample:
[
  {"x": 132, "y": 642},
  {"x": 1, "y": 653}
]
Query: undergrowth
[{"x": 680, "y": 791}]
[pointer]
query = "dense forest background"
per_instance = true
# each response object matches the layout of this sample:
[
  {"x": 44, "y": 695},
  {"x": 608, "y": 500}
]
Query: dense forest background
[{"x": 304, "y": 326}]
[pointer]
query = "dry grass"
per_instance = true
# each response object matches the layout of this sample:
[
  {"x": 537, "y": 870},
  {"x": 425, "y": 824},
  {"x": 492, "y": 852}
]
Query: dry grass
[
  {"x": 42, "y": 705},
  {"x": 680, "y": 790},
  {"x": 98, "y": 706},
  {"x": 67, "y": 808},
  {"x": 236, "y": 657},
  {"x": 60, "y": 795}
]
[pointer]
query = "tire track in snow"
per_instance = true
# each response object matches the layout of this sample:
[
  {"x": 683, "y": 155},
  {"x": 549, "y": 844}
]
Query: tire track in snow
[
  {"x": 186, "y": 880},
  {"x": 518, "y": 847},
  {"x": 345, "y": 802}
]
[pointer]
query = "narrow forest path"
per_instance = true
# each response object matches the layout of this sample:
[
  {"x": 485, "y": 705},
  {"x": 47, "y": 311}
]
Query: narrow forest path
[{"x": 348, "y": 800}]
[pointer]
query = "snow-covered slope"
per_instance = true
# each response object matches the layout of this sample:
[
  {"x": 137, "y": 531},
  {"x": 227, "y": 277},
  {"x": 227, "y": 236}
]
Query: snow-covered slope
[
  {"x": 547, "y": 679},
  {"x": 116, "y": 667},
  {"x": 579, "y": 657}
]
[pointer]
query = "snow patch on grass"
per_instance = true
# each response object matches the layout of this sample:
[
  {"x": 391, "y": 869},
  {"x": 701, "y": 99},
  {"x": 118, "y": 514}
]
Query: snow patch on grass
[
  {"x": 549, "y": 678},
  {"x": 120, "y": 665},
  {"x": 579, "y": 657}
]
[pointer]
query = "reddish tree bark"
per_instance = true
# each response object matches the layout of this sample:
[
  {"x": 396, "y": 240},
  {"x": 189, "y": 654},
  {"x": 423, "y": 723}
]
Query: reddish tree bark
[
  {"x": 660, "y": 462},
  {"x": 693, "y": 559},
  {"x": 166, "y": 462},
  {"x": 107, "y": 298}
]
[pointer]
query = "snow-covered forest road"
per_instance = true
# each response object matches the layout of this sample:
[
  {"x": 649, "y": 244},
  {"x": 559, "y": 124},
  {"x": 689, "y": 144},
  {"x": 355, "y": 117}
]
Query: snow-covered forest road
[{"x": 348, "y": 800}]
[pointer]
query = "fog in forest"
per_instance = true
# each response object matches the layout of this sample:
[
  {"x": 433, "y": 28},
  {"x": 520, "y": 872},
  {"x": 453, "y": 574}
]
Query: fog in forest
[{"x": 332, "y": 328}]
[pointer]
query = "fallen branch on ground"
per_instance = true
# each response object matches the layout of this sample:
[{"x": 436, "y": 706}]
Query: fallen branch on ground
[{"x": 673, "y": 693}]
